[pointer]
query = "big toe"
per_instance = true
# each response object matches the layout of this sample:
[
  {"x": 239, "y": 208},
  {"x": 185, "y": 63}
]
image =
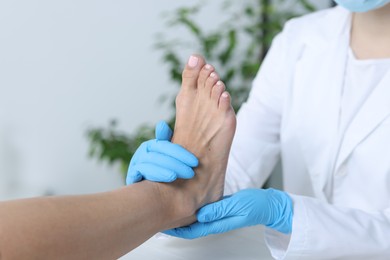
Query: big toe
[{"x": 191, "y": 71}]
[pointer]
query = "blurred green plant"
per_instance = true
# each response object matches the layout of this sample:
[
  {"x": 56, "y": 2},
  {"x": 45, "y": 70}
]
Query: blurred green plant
[{"x": 236, "y": 47}]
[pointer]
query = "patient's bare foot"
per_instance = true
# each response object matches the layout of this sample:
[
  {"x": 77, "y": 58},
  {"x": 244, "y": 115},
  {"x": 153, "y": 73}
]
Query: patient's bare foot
[{"x": 205, "y": 125}]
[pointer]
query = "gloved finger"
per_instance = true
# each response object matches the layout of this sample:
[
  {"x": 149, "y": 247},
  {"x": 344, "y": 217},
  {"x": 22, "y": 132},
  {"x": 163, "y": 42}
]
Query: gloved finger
[
  {"x": 133, "y": 176},
  {"x": 163, "y": 131},
  {"x": 217, "y": 210},
  {"x": 181, "y": 232},
  {"x": 140, "y": 150},
  {"x": 155, "y": 173},
  {"x": 224, "y": 225},
  {"x": 182, "y": 170},
  {"x": 173, "y": 150},
  {"x": 193, "y": 231},
  {"x": 198, "y": 230}
]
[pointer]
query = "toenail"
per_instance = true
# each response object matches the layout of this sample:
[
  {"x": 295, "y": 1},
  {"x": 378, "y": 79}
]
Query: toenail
[
  {"x": 219, "y": 83},
  {"x": 225, "y": 95},
  {"x": 193, "y": 61},
  {"x": 213, "y": 75},
  {"x": 208, "y": 67}
]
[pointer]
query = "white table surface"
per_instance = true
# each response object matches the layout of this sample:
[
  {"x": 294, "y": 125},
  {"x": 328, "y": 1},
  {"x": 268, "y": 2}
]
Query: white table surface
[{"x": 243, "y": 244}]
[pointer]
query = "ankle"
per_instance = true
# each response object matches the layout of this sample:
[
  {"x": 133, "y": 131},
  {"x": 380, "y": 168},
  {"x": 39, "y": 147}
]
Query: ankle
[{"x": 177, "y": 205}]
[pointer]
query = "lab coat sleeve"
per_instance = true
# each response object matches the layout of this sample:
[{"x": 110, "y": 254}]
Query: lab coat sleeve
[
  {"x": 256, "y": 145},
  {"x": 325, "y": 231}
]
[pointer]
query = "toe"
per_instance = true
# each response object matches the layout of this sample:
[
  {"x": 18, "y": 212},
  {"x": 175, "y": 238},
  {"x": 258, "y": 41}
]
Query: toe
[
  {"x": 217, "y": 91},
  {"x": 204, "y": 75},
  {"x": 191, "y": 71},
  {"x": 225, "y": 101},
  {"x": 211, "y": 82}
]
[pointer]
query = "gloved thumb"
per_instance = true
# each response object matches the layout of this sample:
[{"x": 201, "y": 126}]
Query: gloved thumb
[
  {"x": 216, "y": 211},
  {"x": 163, "y": 131}
]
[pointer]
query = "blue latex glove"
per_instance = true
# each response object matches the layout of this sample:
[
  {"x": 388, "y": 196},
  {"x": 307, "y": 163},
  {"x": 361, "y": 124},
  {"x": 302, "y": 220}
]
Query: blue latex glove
[
  {"x": 250, "y": 207},
  {"x": 160, "y": 160}
]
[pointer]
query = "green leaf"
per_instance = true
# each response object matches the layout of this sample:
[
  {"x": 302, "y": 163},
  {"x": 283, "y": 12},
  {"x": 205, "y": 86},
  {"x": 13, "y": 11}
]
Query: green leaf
[
  {"x": 191, "y": 26},
  {"x": 307, "y": 5},
  {"x": 225, "y": 56},
  {"x": 210, "y": 43}
]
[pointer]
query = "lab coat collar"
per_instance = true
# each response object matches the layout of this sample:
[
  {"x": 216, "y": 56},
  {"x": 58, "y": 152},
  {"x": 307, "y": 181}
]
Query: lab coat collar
[
  {"x": 317, "y": 95},
  {"x": 327, "y": 47},
  {"x": 320, "y": 31},
  {"x": 374, "y": 111}
]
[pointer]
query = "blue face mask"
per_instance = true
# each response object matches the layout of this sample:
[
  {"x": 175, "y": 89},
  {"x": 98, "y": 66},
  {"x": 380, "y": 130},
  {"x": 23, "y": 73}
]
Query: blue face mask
[{"x": 362, "y": 5}]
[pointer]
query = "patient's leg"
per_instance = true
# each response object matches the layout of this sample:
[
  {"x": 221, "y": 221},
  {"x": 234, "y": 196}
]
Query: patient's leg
[{"x": 205, "y": 125}]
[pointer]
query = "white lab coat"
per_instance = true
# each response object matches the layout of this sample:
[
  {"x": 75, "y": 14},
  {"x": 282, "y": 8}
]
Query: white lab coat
[{"x": 340, "y": 186}]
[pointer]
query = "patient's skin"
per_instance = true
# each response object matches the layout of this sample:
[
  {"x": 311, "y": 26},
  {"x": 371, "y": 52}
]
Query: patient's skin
[
  {"x": 107, "y": 225},
  {"x": 205, "y": 125}
]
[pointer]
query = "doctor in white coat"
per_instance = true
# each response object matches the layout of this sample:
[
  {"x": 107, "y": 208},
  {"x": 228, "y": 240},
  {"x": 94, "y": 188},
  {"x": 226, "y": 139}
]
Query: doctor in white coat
[{"x": 321, "y": 102}]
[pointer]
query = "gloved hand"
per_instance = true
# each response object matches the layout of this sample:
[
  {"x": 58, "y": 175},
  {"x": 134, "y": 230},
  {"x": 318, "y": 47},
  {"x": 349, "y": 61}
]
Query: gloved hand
[
  {"x": 250, "y": 207},
  {"x": 160, "y": 160}
]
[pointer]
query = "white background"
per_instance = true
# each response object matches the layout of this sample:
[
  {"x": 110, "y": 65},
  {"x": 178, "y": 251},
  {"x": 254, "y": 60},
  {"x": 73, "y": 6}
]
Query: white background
[{"x": 69, "y": 65}]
